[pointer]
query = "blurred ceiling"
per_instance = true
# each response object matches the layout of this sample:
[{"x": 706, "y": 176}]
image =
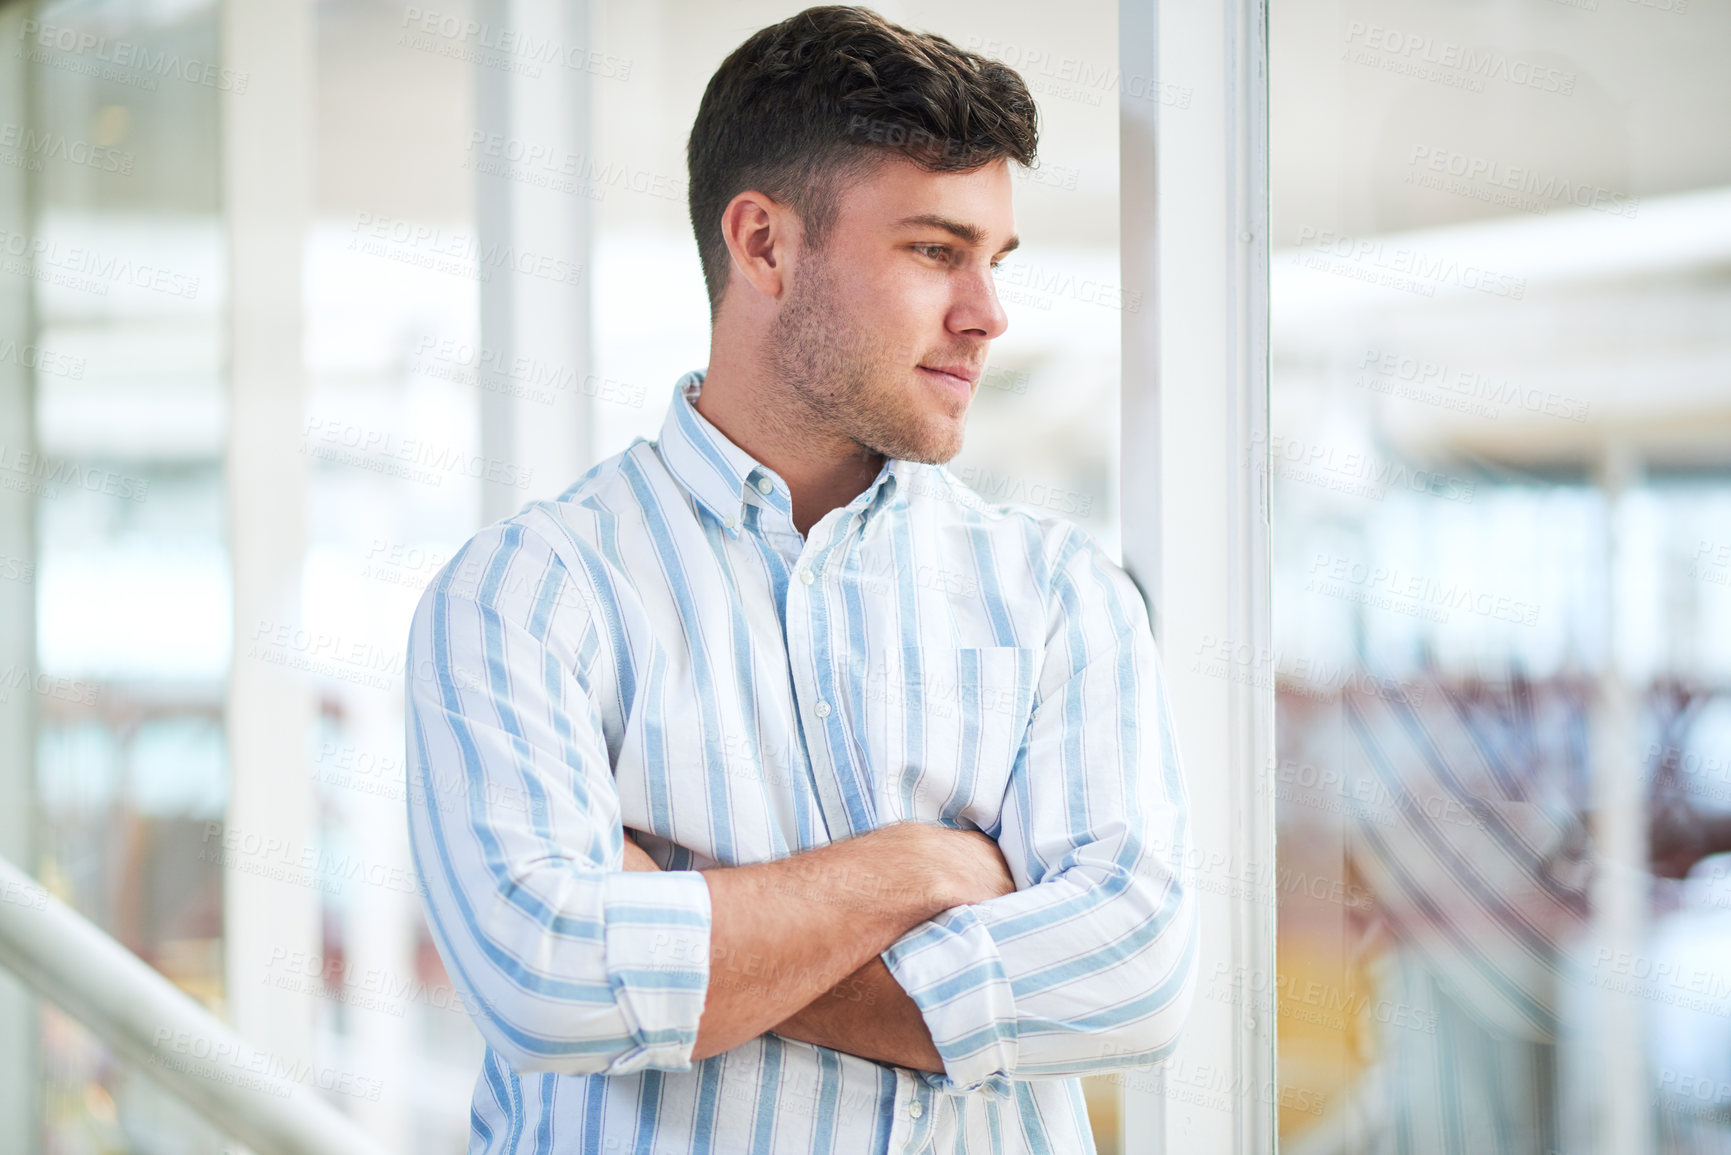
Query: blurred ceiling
[{"x": 1474, "y": 128}]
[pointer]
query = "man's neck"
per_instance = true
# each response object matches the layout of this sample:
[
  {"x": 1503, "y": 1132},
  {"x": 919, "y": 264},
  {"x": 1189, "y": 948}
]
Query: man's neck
[{"x": 823, "y": 469}]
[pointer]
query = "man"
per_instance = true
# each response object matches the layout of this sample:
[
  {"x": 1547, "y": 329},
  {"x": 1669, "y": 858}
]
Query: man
[{"x": 811, "y": 804}]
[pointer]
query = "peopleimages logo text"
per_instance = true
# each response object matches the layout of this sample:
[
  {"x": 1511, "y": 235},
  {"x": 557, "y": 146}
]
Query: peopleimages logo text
[
  {"x": 126, "y": 54},
  {"x": 1478, "y": 64},
  {"x": 1370, "y": 256}
]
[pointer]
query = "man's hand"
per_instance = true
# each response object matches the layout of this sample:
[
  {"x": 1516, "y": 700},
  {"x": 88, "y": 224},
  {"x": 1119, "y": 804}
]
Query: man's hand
[{"x": 973, "y": 866}]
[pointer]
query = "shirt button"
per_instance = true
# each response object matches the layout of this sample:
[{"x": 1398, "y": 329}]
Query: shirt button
[
  {"x": 729, "y": 523},
  {"x": 765, "y": 485},
  {"x": 915, "y": 1110},
  {"x": 823, "y": 709},
  {"x": 805, "y": 576}
]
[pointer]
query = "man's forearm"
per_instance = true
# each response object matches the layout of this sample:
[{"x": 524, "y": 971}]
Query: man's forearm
[
  {"x": 868, "y": 1014},
  {"x": 784, "y": 932}
]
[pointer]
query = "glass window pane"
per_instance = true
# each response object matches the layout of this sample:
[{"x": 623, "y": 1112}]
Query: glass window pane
[
  {"x": 130, "y": 568},
  {"x": 1500, "y": 490}
]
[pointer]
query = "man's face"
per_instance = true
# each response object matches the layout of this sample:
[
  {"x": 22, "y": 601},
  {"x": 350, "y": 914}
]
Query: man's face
[{"x": 882, "y": 334}]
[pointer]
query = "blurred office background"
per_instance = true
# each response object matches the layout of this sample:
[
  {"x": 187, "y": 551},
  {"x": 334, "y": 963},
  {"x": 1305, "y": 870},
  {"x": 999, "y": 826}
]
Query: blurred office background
[
  {"x": 1502, "y": 413},
  {"x": 1501, "y": 475}
]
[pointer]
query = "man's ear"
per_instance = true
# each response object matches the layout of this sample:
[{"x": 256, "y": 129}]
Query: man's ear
[{"x": 760, "y": 232}]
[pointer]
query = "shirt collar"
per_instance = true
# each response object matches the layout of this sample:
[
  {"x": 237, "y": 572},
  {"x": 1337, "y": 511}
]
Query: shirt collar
[{"x": 717, "y": 473}]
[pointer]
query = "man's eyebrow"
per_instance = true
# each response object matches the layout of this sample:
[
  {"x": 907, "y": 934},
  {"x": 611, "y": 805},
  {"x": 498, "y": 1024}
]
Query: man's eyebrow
[{"x": 971, "y": 234}]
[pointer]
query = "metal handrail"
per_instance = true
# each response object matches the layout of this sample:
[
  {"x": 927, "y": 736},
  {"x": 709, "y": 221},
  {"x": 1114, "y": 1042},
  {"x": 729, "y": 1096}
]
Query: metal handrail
[{"x": 175, "y": 1042}]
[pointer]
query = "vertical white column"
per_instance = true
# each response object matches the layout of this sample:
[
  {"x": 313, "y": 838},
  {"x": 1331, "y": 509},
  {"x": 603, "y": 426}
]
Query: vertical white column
[
  {"x": 1196, "y": 532},
  {"x": 1139, "y": 262},
  {"x": 266, "y": 182},
  {"x": 379, "y": 939},
  {"x": 1142, "y": 1102},
  {"x": 532, "y": 314},
  {"x": 1623, "y": 1093},
  {"x": 20, "y": 1076}
]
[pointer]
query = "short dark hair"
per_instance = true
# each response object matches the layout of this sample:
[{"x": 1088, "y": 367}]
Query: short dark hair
[{"x": 822, "y": 95}]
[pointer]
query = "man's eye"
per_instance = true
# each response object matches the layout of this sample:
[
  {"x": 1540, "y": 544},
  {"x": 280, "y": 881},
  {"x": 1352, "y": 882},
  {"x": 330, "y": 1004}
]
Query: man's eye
[{"x": 933, "y": 251}]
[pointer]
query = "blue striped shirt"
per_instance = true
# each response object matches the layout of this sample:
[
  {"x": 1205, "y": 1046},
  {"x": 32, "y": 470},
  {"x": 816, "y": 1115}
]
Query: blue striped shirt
[{"x": 660, "y": 649}]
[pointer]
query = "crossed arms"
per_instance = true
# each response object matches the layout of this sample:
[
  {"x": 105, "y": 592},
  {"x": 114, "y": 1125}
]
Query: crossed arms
[
  {"x": 784, "y": 918},
  {"x": 1066, "y": 948}
]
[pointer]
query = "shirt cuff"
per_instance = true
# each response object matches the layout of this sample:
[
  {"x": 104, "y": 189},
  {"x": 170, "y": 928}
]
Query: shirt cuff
[
  {"x": 951, "y": 968},
  {"x": 658, "y": 963}
]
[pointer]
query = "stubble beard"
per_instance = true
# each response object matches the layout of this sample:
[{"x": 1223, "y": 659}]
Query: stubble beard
[{"x": 838, "y": 380}]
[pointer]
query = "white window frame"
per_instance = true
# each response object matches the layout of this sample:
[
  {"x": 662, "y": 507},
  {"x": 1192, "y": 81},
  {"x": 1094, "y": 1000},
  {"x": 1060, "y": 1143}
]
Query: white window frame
[{"x": 1193, "y": 171}]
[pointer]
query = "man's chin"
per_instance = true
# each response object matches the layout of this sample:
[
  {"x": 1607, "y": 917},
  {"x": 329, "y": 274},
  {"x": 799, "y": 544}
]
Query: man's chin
[{"x": 928, "y": 450}]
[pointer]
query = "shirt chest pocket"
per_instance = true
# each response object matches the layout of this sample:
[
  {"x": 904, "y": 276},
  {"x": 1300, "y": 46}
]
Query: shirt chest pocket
[{"x": 963, "y": 730}]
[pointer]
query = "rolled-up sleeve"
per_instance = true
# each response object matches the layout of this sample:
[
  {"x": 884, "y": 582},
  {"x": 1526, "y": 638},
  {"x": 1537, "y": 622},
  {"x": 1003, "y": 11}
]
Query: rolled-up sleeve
[
  {"x": 1089, "y": 965},
  {"x": 569, "y": 963}
]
